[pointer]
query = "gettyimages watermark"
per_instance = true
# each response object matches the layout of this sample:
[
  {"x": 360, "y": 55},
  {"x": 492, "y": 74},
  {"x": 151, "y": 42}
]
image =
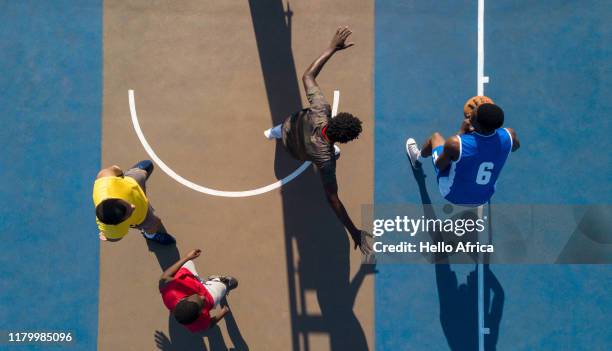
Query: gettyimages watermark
[{"x": 513, "y": 234}]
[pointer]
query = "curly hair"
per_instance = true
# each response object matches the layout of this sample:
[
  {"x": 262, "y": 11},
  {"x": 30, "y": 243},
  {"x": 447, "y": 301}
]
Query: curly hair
[
  {"x": 490, "y": 116},
  {"x": 186, "y": 312},
  {"x": 343, "y": 128}
]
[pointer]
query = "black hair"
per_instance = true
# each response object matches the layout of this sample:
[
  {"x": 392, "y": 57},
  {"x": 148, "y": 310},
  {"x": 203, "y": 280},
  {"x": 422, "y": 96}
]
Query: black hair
[
  {"x": 490, "y": 117},
  {"x": 186, "y": 312},
  {"x": 343, "y": 128},
  {"x": 111, "y": 211}
]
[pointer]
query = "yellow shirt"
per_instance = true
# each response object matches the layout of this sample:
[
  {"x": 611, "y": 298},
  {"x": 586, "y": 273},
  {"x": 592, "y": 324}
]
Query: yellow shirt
[{"x": 124, "y": 188}]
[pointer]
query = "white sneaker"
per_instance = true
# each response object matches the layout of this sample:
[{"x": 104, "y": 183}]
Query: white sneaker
[
  {"x": 268, "y": 134},
  {"x": 413, "y": 151},
  {"x": 275, "y": 132},
  {"x": 337, "y": 151}
]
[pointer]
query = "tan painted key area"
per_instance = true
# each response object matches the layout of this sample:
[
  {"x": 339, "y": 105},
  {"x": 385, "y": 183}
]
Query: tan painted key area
[{"x": 209, "y": 77}]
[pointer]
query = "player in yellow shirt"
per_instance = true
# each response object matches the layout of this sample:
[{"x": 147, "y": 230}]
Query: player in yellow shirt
[{"x": 121, "y": 203}]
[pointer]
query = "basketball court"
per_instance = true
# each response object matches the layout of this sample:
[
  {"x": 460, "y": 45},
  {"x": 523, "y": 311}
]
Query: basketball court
[{"x": 193, "y": 85}]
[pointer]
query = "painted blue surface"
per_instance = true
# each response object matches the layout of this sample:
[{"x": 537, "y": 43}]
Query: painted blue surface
[
  {"x": 550, "y": 71},
  {"x": 50, "y": 108}
]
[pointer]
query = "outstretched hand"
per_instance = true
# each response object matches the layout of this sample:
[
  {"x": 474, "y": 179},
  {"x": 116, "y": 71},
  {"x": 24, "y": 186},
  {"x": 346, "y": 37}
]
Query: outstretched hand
[
  {"x": 193, "y": 254},
  {"x": 339, "y": 40}
]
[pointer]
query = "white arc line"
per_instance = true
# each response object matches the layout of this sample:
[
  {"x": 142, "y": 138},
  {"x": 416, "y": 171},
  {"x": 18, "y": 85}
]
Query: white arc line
[{"x": 204, "y": 189}]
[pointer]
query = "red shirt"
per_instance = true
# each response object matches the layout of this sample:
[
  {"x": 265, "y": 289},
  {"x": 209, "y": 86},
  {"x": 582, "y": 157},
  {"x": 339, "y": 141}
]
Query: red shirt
[{"x": 186, "y": 284}]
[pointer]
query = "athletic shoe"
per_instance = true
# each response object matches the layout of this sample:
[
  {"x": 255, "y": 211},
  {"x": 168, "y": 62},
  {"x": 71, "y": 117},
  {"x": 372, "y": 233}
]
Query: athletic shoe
[
  {"x": 413, "y": 151},
  {"x": 268, "y": 134},
  {"x": 145, "y": 165},
  {"x": 162, "y": 238},
  {"x": 230, "y": 282},
  {"x": 336, "y": 151}
]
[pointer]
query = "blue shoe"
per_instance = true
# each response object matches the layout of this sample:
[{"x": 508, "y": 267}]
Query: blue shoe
[
  {"x": 145, "y": 165},
  {"x": 162, "y": 239}
]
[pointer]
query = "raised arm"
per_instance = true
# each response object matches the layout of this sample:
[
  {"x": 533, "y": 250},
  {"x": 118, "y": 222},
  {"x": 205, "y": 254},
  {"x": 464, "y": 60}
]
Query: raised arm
[
  {"x": 337, "y": 43},
  {"x": 169, "y": 273}
]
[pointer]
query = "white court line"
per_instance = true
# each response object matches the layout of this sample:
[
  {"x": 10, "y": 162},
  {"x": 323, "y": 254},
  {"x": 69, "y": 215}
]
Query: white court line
[
  {"x": 480, "y": 267},
  {"x": 480, "y": 69},
  {"x": 204, "y": 189},
  {"x": 481, "y": 80},
  {"x": 335, "y": 103}
]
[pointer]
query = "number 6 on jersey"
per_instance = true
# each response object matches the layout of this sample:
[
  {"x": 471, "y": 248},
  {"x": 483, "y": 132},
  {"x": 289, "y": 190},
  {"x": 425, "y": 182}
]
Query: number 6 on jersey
[{"x": 484, "y": 173}]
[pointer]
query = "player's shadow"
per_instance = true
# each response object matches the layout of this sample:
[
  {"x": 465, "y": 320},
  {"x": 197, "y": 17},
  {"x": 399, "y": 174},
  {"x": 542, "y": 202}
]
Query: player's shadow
[
  {"x": 179, "y": 338},
  {"x": 316, "y": 244},
  {"x": 166, "y": 255},
  {"x": 459, "y": 302}
]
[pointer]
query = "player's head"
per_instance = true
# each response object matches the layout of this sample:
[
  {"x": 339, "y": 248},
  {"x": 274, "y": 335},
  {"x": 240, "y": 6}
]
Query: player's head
[
  {"x": 113, "y": 211},
  {"x": 488, "y": 118},
  {"x": 343, "y": 128},
  {"x": 188, "y": 309}
]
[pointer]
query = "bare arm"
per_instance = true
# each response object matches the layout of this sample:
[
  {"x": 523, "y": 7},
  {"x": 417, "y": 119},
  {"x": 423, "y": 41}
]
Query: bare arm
[
  {"x": 331, "y": 192},
  {"x": 112, "y": 171},
  {"x": 449, "y": 154},
  {"x": 169, "y": 273},
  {"x": 216, "y": 318},
  {"x": 516, "y": 144},
  {"x": 337, "y": 43}
]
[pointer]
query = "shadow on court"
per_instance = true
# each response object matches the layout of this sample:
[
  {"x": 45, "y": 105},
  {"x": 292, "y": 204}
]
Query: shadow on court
[
  {"x": 317, "y": 246},
  {"x": 179, "y": 338},
  {"x": 459, "y": 302}
]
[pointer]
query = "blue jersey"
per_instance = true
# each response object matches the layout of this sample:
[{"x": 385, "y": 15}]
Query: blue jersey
[{"x": 471, "y": 179}]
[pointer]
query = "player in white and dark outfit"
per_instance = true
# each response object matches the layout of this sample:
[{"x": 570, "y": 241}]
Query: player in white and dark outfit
[
  {"x": 311, "y": 134},
  {"x": 468, "y": 164}
]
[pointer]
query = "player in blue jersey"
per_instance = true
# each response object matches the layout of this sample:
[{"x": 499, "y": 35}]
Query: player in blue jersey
[{"x": 468, "y": 164}]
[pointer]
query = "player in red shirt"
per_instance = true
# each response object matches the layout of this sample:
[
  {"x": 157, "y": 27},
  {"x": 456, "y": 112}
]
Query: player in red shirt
[{"x": 190, "y": 298}]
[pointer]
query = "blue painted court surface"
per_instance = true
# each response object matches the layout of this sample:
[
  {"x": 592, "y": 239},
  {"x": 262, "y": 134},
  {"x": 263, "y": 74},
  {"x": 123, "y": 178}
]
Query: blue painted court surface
[
  {"x": 549, "y": 64},
  {"x": 50, "y": 106}
]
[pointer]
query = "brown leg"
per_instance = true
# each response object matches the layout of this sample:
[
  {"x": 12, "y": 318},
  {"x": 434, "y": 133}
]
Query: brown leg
[
  {"x": 433, "y": 142},
  {"x": 152, "y": 224}
]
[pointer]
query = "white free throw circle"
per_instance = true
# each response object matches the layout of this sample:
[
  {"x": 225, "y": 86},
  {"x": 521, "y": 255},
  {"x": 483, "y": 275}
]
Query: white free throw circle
[{"x": 204, "y": 189}]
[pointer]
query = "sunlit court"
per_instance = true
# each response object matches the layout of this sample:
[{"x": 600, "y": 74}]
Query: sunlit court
[{"x": 305, "y": 175}]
